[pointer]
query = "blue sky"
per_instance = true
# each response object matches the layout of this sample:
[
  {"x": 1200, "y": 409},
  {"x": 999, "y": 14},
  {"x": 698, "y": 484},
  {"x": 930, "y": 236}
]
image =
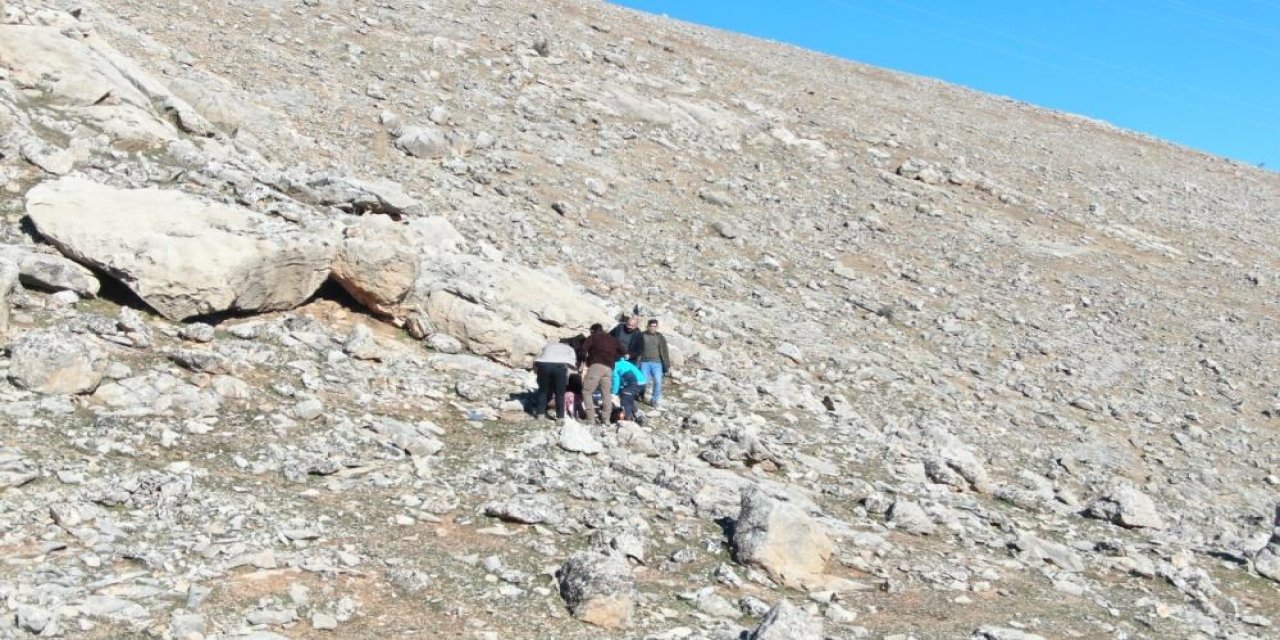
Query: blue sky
[{"x": 1205, "y": 74}]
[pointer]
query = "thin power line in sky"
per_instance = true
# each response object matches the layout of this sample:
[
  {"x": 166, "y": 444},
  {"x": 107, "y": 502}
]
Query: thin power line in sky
[
  {"x": 1089, "y": 59},
  {"x": 1073, "y": 70},
  {"x": 1220, "y": 18}
]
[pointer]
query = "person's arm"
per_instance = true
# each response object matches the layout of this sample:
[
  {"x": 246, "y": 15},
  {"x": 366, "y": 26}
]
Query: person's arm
[
  {"x": 663, "y": 354},
  {"x": 617, "y": 381}
]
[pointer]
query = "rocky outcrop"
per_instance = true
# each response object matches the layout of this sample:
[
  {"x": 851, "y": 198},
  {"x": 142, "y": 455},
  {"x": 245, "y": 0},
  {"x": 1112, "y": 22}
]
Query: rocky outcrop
[
  {"x": 380, "y": 260},
  {"x": 497, "y": 309},
  {"x": 92, "y": 82},
  {"x": 182, "y": 255},
  {"x": 780, "y": 539},
  {"x": 68, "y": 68}
]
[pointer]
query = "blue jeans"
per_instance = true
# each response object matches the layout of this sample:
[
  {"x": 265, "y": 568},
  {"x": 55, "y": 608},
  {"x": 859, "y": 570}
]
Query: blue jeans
[{"x": 652, "y": 369}]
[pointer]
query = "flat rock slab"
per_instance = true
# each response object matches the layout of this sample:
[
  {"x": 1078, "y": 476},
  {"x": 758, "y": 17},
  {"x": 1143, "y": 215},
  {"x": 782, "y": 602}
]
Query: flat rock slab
[
  {"x": 82, "y": 77},
  {"x": 182, "y": 255}
]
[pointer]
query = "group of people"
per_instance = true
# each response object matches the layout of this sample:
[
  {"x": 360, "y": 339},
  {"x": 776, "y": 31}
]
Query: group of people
[{"x": 626, "y": 362}]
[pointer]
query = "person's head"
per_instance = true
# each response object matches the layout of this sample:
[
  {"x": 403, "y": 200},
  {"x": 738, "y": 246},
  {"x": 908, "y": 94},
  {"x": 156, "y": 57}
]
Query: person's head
[
  {"x": 653, "y": 325},
  {"x": 597, "y": 328},
  {"x": 633, "y": 322}
]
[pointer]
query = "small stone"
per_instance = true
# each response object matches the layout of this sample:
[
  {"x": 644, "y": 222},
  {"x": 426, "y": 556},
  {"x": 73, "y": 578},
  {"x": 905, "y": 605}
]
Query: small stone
[
  {"x": 187, "y": 625},
  {"x": 362, "y": 345},
  {"x": 576, "y": 437},
  {"x": 324, "y": 621},
  {"x": 197, "y": 332},
  {"x": 1003, "y": 633},
  {"x": 271, "y": 616},
  {"x": 911, "y": 518},
  {"x": 308, "y": 410},
  {"x": 1127, "y": 507},
  {"x": 786, "y": 621},
  {"x": 444, "y": 343},
  {"x": 33, "y": 619},
  {"x": 840, "y": 615},
  {"x": 1255, "y": 620},
  {"x": 727, "y": 230}
]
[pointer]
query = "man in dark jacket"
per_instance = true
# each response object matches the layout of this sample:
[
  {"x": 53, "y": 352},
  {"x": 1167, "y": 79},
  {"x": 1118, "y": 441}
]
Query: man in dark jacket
[
  {"x": 599, "y": 353},
  {"x": 628, "y": 333},
  {"x": 655, "y": 360}
]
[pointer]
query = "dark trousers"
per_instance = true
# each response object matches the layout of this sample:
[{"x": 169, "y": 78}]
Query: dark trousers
[
  {"x": 628, "y": 397},
  {"x": 552, "y": 378}
]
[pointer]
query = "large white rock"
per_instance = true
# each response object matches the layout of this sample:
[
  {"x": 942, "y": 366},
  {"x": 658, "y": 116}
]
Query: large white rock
[
  {"x": 379, "y": 260},
  {"x": 781, "y": 539},
  {"x": 182, "y": 255},
  {"x": 500, "y": 310},
  {"x": 68, "y": 68}
]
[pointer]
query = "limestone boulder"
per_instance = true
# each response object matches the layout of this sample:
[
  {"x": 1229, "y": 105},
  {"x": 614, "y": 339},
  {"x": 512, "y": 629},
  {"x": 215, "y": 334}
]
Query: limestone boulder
[
  {"x": 50, "y": 361},
  {"x": 781, "y": 539},
  {"x": 508, "y": 310},
  {"x": 182, "y": 255},
  {"x": 483, "y": 331},
  {"x": 379, "y": 259},
  {"x": 598, "y": 589},
  {"x": 501, "y": 310}
]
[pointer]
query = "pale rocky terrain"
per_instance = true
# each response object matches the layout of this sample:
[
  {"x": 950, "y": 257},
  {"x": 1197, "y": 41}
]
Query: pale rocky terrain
[{"x": 948, "y": 365}]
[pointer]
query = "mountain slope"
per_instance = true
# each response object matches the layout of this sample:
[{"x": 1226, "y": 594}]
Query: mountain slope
[{"x": 1019, "y": 366}]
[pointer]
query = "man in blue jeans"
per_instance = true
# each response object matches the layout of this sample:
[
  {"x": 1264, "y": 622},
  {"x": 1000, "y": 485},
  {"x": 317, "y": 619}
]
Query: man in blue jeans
[{"x": 654, "y": 360}]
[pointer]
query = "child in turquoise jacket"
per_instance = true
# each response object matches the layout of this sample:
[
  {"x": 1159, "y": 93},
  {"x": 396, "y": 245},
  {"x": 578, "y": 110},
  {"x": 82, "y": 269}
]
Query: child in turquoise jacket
[{"x": 628, "y": 382}]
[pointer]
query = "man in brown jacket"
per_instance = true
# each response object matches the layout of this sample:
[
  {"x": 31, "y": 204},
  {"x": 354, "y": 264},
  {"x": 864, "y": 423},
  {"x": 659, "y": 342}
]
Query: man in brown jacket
[{"x": 600, "y": 351}]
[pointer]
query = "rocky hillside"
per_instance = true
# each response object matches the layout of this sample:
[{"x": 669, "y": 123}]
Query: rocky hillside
[{"x": 946, "y": 365}]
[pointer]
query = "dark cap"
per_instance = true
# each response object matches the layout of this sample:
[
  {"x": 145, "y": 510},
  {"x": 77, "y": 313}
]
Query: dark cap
[{"x": 597, "y": 327}]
